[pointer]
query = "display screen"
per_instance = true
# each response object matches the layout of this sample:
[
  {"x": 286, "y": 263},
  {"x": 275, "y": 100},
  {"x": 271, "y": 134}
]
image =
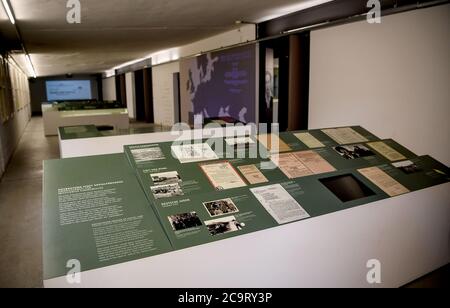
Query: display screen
[
  {"x": 66, "y": 90},
  {"x": 219, "y": 85},
  {"x": 347, "y": 187}
]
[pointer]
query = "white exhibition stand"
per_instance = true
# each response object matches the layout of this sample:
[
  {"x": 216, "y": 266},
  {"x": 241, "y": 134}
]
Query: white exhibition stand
[
  {"x": 114, "y": 144},
  {"x": 117, "y": 118},
  {"x": 409, "y": 235}
]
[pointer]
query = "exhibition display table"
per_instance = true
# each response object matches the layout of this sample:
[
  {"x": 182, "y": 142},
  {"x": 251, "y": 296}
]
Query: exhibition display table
[
  {"x": 316, "y": 213},
  {"x": 54, "y": 118}
]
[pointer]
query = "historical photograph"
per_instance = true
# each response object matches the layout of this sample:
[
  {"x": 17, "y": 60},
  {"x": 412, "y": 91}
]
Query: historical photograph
[
  {"x": 189, "y": 153},
  {"x": 220, "y": 207},
  {"x": 166, "y": 191},
  {"x": 166, "y": 178},
  {"x": 147, "y": 154},
  {"x": 224, "y": 225},
  {"x": 354, "y": 151},
  {"x": 407, "y": 167},
  {"x": 185, "y": 221}
]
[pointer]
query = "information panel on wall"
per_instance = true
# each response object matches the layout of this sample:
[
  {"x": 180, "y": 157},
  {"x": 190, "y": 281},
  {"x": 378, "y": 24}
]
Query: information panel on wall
[
  {"x": 219, "y": 85},
  {"x": 63, "y": 90}
]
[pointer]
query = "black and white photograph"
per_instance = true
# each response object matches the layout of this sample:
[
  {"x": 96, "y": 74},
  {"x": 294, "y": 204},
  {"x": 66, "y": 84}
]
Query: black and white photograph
[
  {"x": 166, "y": 178},
  {"x": 185, "y": 221},
  {"x": 407, "y": 167},
  {"x": 147, "y": 154},
  {"x": 354, "y": 151},
  {"x": 220, "y": 207},
  {"x": 167, "y": 191},
  {"x": 224, "y": 225}
]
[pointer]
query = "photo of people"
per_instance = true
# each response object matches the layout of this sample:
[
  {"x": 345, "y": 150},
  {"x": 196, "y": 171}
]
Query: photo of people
[
  {"x": 353, "y": 151},
  {"x": 407, "y": 167},
  {"x": 224, "y": 225},
  {"x": 184, "y": 221},
  {"x": 147, "y": 154},
  {"x": 220, "y": 207},
  {"x": 166, "y": 178},
  {"x": 167, "y": 191}
]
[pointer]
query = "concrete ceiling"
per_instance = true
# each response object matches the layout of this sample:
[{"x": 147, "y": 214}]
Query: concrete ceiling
[{"x": 113, "y": 32}]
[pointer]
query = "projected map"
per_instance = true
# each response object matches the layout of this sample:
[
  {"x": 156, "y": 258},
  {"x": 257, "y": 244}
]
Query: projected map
[{"x": 220, "y": 84}]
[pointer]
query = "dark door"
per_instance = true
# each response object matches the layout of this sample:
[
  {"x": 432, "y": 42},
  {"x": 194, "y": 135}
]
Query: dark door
[
  {"x": 148, "y": 95},
  {"x": 121, "y": 89},
  {"x": 139, "y": 92}
]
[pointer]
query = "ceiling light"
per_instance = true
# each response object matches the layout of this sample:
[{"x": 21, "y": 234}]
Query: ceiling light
[
  {"x": 9, "y": 11},
  {"x": 31, "y": 65}
]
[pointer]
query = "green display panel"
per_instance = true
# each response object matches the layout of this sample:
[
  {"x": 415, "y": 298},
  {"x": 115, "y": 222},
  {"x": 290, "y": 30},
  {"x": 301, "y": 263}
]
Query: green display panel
[
  {"x": 418, "y": 173},
  {"x": 91, "y": 131},
  {"x": 170, "y": 196},
  {"x": 296, "y": 144},
  {"x": 76, "y": 132},
  {"x": 94, "y": 212}
]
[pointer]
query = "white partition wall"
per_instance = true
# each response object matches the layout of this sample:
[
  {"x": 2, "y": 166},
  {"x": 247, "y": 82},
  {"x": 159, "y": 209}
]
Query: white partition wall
[
  {"x": 163, "y": 93},
  {"x": 109, "y": 89},
  {"x": 392, "y": 78},
  {"x": 131, "y": 95}
]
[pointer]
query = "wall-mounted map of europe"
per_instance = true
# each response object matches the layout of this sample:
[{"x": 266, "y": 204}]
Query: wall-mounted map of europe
[{"x": 219, "y": 85}]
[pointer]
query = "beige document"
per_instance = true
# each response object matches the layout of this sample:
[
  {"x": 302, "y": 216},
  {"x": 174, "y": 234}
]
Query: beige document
[
  {"x": 385, "y": 182},
  {"x": 223, "y": 176},
  {"x": 386, "y": 151},
  {"x": 290, "y": 165},
  {"x": 309, "y": 140},
  {"x": 273, "y": 143},
  {"x": 314, "y": 162},
  {"x": 279, "y": 203},
  {"x": 345, "y": 135},
  {"x": 253, "y": 174}
]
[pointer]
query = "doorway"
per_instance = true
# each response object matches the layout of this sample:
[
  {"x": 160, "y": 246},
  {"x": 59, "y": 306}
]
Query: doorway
[{"x": 144, "y": 95}]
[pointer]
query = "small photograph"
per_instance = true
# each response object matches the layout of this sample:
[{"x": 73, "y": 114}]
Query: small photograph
[
  {"x": 354, "y": 151},
  {"x": 407, "y": 167},
  {"x": 220, "y": 207},
  {"x": 184, "y": 221},
  {"x": 147, "y": 154},
  {"x": 166, "y": 191},
  {"x": 223, "y": 225},
  {"x": 166, "y": 178}
]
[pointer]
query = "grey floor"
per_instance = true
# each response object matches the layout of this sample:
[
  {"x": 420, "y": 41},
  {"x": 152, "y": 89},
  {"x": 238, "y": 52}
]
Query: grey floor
[
  {"x": 21, "y": 213},
  {"x": 20, "y": 209}
]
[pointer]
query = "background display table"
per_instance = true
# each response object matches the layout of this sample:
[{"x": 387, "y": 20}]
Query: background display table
[{"x": 53, "y": 118}]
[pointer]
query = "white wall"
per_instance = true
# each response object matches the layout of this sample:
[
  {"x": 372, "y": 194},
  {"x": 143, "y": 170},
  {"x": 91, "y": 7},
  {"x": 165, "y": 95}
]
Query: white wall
[
  {"x": 241, "y": 35},
  {"x": 109, "y": 89},
  {"x": 391, "y": 78},
  {"x": 131, "y": 95},
  {"x": 229, "y": 38},
  {"x": 163, "y": 95}
]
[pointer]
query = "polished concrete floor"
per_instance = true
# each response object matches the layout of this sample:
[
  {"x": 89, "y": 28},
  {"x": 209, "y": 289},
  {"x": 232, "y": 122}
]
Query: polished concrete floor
[
  {"x": 21, "y": 213},
  {"x": 21, "y": 209}
]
